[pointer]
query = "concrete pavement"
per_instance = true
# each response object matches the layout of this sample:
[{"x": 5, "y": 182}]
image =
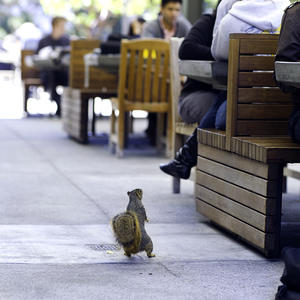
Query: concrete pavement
[{"x": 57, "y": 198}]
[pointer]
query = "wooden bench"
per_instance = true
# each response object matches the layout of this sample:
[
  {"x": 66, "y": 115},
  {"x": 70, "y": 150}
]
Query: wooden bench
[
  {"x": 30, "y": 76},
  {"x": 77, "y": 110},
  {"x": 240, "y": 170}
]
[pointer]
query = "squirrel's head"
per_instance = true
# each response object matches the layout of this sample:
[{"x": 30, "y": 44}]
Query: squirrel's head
[{"x": 137, "y": 192}]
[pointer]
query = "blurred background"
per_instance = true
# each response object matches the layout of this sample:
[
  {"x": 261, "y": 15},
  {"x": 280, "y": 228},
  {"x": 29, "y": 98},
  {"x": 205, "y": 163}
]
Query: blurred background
[{"x": 24, "y": 22}]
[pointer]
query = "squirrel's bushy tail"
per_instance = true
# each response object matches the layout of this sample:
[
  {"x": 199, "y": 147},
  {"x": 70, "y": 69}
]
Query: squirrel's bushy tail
[{"x": 127, "y": 231}]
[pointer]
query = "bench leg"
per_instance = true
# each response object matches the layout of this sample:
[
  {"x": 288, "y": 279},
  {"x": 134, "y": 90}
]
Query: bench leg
[
  {"x": 75, "y": 114},
  {"x": 177, "y": 142}
]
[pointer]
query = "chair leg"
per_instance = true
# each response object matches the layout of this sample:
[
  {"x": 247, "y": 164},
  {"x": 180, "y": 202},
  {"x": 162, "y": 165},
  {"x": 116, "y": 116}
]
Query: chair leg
[
  {"x": 121, "y": 133},
  {"x": 159, "y": 132},
  {"x": 112, "y": 134},
  {"x": 93, "y": 129},
  {"x": 170, "y": 131},
  {"x": 177, "y": 143},
  {"x": 26, "y": 96},
  {"x": 176, "y": 185}
]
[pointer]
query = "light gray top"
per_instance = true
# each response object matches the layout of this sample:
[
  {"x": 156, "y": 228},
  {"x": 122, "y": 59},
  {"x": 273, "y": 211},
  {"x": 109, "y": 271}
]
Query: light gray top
[{"x": 152, "y": 29}]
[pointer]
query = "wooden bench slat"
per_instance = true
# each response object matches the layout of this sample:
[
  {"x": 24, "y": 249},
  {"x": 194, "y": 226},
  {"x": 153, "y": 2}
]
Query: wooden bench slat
[
  {"x": 240, "y": 163},
  {"x": 249, "y": 79},
  {"x": 239, "y": 194},
  {"x": 237, "y": 210},
  {"x": 259, "y": 45},
  {"x": 264, "y": 111},
  {"x": 267, "y": 149},
  {"x": 248, "y": 181},
  {"x": 264, "y": 95},
  {"x": 249, "y": 233},
  {"x": 212, "y": 137},
  {"x": 261, "y": 127},
  {"x": 250, "y": 62}
]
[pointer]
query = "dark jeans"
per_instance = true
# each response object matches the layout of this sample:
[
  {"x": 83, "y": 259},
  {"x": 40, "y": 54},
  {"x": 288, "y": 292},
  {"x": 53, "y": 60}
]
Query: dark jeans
[
  {"x": 216, "y": 115},
  {"x": 51, "y": 79}
]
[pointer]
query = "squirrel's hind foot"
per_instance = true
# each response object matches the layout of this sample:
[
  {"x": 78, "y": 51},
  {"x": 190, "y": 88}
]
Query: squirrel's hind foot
[
  {"x": 150, "y": 255},
  {"x": 127, "y": 254}
]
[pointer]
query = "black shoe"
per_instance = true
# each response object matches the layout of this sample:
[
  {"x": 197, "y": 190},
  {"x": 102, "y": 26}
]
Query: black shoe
[{"x": 177, "y": 169}]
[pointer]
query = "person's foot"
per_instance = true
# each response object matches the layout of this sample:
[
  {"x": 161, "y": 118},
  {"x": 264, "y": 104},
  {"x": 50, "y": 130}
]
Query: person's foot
[{"x": 176, "y": 168}]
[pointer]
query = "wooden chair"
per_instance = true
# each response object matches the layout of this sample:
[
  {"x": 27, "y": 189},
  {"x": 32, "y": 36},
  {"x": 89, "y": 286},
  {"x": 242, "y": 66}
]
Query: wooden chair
[
  {"x": 180, "y": 129},
  {"x": 76, "y": 107},
  {"x": 144, "y": 84},
  {"x": 239, "y": 171},
  {"x": 30, "y": 76}
]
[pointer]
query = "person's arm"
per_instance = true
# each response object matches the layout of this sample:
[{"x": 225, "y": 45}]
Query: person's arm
[
  {"x": 223, "y": 9},
  {"x": 218, "y": 35},
  {"x": 196, "y": 45},
  {"x": 150, "y": 30}
]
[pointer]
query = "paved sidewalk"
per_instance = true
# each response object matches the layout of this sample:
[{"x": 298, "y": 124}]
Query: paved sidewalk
[{"x": 57, "y": 198}]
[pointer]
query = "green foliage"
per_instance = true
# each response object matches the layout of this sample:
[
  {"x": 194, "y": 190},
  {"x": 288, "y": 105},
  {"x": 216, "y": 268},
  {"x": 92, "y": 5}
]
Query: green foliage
[{"x": 130, "y": 7}]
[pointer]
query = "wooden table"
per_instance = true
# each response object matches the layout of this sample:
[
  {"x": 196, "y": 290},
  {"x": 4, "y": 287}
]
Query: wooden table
[
  {"x": 211, "y": 72},
  {"x": 107, "y": 62},
  {"x": 48, "y": 63},
  {"x": 288, "y": 73}
]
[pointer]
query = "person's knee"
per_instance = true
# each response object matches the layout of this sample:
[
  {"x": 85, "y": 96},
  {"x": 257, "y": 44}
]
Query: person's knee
[{"x": 194, "y": 106}]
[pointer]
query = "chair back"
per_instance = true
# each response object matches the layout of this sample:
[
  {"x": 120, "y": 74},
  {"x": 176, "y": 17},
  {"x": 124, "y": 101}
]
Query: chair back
[
  {"x": 98, "y": 79},
  {"x": 255, "y": 105},
  {"x": 27, "y": 71},
  {"x": 144, "y": 75}
]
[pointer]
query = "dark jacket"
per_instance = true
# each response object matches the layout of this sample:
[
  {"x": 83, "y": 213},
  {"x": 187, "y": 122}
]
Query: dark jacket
[
  {"x": 196, "y": 46},
  {"x": 49, "y": 41}
]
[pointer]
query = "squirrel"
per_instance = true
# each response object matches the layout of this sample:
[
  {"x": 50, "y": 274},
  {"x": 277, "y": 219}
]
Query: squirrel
[{"x": 129, "y": 226}]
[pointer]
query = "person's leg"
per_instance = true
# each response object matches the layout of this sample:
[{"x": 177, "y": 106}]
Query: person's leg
[
  {"x": 186, "y": 157},
  {"x": 58, "y": 78},
  {"x": 221, "y": 116},
  {"x": 193, "y": 106},
  {"x": 209, "y": 120}
]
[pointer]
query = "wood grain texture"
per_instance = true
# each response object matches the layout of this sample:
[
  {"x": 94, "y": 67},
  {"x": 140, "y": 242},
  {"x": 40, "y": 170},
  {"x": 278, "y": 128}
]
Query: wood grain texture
[
  {"x": 266, "y": 171},
  {"x": 232, "y": 95},
  {"x": 249, "y": 233},
  {"x": 248, "y": 181},
  {"x": 243, "y": 213},
  {"x": 248, "y": 198},
  {"x": 254, "y": 62},
  {"x": 264, "y": 111},
  {"x": 262, "y": 95}
]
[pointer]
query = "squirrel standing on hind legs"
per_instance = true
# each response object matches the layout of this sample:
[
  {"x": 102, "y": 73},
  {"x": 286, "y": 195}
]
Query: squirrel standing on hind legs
[{"x": 129, "y": 227}]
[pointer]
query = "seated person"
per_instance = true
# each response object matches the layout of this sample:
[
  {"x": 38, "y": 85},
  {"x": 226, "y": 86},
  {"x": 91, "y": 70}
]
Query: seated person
[
  {"x": 52, "y": 78},
  {"x": 245, "y": 16},
  {"x": 113, "y": 43},
  {"x": 197, "y": 97},
  {"x": 226, "y": 23},
  {"x": 136, "y": 27},
  {"x": 168, "y": 24}
]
